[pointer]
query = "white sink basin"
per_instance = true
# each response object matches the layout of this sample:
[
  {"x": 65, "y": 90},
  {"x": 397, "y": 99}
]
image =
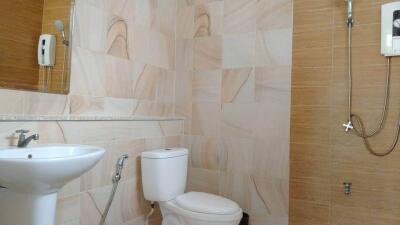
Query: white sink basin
[
  {"x": 32, "y": 176},
  {"x": 45, "y": 169}
]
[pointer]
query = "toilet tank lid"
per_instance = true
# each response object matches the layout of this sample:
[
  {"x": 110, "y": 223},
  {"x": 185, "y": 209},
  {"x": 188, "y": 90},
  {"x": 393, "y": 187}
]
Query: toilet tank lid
[
  {"x": 165, "y": 153},
  {"x": 207, "y": 203}
]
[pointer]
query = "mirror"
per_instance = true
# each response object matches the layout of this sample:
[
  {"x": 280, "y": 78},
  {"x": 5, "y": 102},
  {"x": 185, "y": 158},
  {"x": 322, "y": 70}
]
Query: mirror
[{"x": 35, "y": 44}]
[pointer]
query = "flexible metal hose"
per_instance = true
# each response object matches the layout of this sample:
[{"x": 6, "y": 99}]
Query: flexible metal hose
[
  {"x": 115, "y": 179},
  {"x": 110, "y": 199},
  {"x": 354, "y": 117},
  {"x": 149, "y": 214}
]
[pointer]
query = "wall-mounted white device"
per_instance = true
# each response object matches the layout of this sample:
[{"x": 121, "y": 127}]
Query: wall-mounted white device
[
  {"x": 390, "y": 29},
  {"x": 47, "y": 50}
]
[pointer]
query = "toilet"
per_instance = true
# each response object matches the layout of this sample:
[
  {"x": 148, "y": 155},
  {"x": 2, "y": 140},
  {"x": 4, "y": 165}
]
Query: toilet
[{"x": 164, "y": 175}]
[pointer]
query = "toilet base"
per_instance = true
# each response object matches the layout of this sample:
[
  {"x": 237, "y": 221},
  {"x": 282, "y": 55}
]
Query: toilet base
[{"x": 174, "y": 216}]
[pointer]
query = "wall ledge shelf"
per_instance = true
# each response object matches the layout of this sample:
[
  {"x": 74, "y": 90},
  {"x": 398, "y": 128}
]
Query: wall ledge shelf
[{"x": 16, "y": 118}]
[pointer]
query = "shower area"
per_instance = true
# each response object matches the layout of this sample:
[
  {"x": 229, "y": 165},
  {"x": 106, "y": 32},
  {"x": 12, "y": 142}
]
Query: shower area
[{"x": 344, "y": 166}]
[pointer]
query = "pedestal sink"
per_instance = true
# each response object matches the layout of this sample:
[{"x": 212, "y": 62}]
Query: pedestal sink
[{"x": 31, "y": 177}]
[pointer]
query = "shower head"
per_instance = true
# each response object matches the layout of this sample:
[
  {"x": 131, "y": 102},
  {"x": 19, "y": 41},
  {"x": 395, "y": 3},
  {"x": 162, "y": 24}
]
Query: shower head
[
  {"x": 350, "y": 20},
  {"x": 60, "y": 27}
]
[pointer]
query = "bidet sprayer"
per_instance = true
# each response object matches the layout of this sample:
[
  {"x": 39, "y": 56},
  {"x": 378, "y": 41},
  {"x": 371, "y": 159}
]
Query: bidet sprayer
[
  {"x": 118, "y": 168},
  {"x": 350, "y": 20}
]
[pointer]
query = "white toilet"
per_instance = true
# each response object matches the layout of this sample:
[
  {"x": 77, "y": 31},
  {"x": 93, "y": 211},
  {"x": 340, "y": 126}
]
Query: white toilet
[{"x": 164, "y": 174}]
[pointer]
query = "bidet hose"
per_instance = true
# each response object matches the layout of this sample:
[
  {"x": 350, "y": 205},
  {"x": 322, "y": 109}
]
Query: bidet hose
[
  {"x": 354, "y": 117},
  {"x": 115, "y": 179},
  {"x": 150, "y": 213}
]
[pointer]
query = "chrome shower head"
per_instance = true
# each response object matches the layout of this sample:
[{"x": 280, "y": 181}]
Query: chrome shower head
[
  {"x": 60, "y": 27},
  {"x": 350, "y": 20}
]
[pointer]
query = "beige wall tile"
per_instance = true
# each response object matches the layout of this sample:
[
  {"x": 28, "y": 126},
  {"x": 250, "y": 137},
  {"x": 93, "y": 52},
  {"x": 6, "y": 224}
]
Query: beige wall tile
[
  {"x": 207, "y": 86},
  {"x": 240, "y": 16},
  {"x": 86, "y": 105},
  {"x": 208, "y": 19},
  {"x": 208, "y": 53},
  {"x": 90, "y": 27},
  {"x": 184, "y": 55},
  {"x": 274, "y": 47},
  {"x": 274, "y": 14},
  {"x": 88, "y": 73},
  {"x": 238, "y": 85},
  {"x": 237, "y": 120},
  {"x": 206, "y": 153},
  {"x": 185, "y": 23},
  {"x": 206, "y": 118},
  {"x": 239, "y": 50},
  {"x": 13, "y": 100}
]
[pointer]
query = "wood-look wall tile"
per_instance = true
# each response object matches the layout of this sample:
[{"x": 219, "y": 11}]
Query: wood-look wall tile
[
  {"x": 306, "y": 19},
  {"x": 315, "y": 76},
  {"x": 361, "y": 216},
  {"x": 308, "y": 213}
]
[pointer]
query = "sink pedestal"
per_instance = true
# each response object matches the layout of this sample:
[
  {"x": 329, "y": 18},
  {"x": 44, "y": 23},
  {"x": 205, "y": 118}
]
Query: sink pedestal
[{"x": 27, "y": 209}]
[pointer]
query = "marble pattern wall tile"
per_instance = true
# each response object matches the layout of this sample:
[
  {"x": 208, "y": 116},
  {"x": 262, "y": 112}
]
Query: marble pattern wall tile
[
  {"x": 206, "y": 118},
  {"x": 184, "y": 55},
  {"x": 273, "y": 15},
  {"x": 207, "y": 53},
  {"x": 274, "y": 47},
  {"x": 185, "y": 23},
  {"x": 238, "y": 85},
  {"x": 91, "y": 26},
  {"x": 117, "y": 38},
  {"x": 237, "y": 122},
  {"x": 240, "y": 16},
  {"x": 239, "y": 50},
  {"x": 208, "y": 19},
  {"x": 207, "y": 86}
]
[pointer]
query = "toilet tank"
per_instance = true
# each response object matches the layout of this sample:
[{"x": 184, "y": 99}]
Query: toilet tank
[{"x": 164, "y": 173}]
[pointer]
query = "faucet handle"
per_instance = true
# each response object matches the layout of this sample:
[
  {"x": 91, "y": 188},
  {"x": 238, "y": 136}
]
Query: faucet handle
[{"x": 21, "y": 131}]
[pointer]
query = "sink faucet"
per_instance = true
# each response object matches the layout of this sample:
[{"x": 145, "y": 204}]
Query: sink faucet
[{"x": 24, "y": 141}]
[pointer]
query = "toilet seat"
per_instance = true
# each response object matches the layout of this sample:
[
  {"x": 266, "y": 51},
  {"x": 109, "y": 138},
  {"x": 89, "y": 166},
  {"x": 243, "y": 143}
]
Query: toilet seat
[
  {"x": 207, "y": 203},
  {"x": 211, "y": 216}
]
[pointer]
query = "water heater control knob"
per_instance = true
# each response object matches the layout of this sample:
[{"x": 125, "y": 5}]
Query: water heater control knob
[{"x": 396, "y": 23}]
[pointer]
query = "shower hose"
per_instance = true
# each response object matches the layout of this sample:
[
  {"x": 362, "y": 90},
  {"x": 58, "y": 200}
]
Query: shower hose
[{"x": 361, "y": 131}]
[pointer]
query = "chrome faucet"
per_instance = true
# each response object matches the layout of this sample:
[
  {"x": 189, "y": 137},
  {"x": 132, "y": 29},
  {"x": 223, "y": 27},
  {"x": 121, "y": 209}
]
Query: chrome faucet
[{"x": 24, "y": 141}]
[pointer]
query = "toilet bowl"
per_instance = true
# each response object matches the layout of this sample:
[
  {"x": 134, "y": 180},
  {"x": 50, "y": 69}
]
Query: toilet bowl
[
  {"x": 164, "y": 175},
  {"x": 196, "y": 208}
]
